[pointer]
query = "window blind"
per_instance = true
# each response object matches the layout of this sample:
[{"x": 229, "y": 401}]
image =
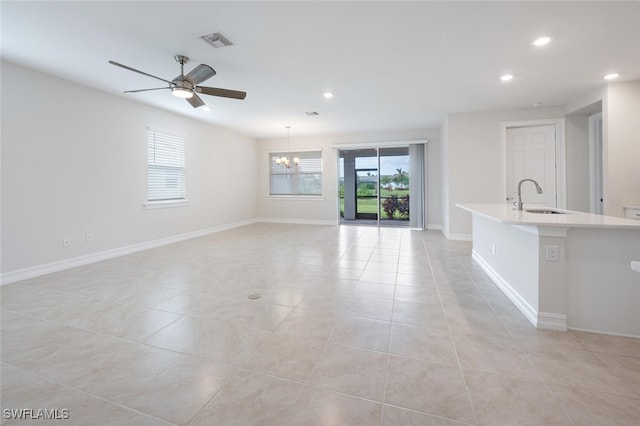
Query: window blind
[
  {"x": 165, "y": 166},
  {"x": 303, "y": 179}
]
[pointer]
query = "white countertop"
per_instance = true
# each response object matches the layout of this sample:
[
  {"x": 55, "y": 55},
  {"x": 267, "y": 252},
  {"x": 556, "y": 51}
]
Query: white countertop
[{"x": 506, "y": 213}]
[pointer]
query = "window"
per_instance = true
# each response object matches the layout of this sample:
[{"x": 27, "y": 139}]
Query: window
[
  {"x": 165, "y": 170},
  {"x": 302, "y": 179}
]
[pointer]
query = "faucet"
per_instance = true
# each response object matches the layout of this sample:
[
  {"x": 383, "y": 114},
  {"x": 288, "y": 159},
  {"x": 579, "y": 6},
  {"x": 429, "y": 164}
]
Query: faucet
[{"x": 518, "y": 203}]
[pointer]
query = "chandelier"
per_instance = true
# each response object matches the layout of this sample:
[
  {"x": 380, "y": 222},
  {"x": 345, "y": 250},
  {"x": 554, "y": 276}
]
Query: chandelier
[{"x": 284, "y": 160}]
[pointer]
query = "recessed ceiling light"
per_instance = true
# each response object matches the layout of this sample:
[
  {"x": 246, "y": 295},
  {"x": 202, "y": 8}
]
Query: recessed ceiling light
[
  {"x": 541, "y": 41},
  {"x": 506, "y": 77},
  {"x": 205, "y": 108},
  {"x": 611, "y": 76},
  {"x": 328, "y": 95}
]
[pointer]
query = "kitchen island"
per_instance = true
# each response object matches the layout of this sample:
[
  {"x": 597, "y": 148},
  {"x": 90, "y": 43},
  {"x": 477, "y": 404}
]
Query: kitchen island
[{"x": 562, "y": 269}]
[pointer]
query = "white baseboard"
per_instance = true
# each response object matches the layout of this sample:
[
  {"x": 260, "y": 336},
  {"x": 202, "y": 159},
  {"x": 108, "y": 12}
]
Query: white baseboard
[
  {"x": 434, "y": 227},
  {"x": 297, "y": 221},
  {"x": 455, "y": 237},
  {"x": 609, "y": 333},
  {"x": 508, "y": 291},
  {"x": 459, "y": 237},
  {"x": 542, "y": 320},
  {"x": 48, "y": 268},
  {"x": 548, "y": 321}
]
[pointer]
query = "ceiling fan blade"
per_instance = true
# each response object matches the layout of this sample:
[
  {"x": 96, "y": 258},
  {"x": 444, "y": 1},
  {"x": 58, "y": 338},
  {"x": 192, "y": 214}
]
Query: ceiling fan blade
[
  {"x": 200, "y": 73},
  {"x": 145, "y": 90},
  {"x": 195, "y": 101},
  {"x": 138, "y": 71},
  {"x": 225, "y": 93}
]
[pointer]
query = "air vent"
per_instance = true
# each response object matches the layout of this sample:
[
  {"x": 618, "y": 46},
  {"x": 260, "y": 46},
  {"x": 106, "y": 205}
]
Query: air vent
[
  {"x": 311, "y": 113},
  {"x": 217, "y": 40}
]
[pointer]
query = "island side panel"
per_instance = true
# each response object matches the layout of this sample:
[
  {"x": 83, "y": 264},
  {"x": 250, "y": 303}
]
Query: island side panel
[
  {"x": 514, "y": 266},
  {"x": 552, "y": 283},
  {"x": 603, "y": 292}
]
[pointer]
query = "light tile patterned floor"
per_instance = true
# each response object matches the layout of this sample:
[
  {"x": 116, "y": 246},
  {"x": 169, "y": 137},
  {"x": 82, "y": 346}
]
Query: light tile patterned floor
[{"x": 355, "y": 326}]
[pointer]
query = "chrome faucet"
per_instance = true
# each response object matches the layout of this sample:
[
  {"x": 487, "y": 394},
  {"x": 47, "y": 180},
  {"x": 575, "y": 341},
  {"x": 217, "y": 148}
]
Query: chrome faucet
[{"x": 518, "y": 203}]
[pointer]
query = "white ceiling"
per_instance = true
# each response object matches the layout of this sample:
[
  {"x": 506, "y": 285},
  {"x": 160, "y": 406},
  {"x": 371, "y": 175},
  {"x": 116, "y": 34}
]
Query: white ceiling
[{"x": 392, "y": 65}]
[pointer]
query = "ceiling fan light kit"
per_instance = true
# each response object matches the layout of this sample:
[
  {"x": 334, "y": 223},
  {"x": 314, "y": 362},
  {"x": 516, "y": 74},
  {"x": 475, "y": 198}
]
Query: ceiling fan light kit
[
  {"x": 186, "y": 86},
  {"x": 181, "y": 92}
]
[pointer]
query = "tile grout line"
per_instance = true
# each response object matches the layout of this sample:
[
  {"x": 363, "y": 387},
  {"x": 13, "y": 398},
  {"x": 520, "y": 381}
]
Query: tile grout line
[
  {"x": 92, "y": 395},
  {"x": 455, "y": 349},
  {"x": 214, "y": 394},
  {"x": 440, "y": 256},
  {"x": 386, "y": 373},
  {"x": 532, "y": 365}
]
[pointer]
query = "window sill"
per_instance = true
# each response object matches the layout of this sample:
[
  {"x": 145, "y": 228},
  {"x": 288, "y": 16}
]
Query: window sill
[
  {"x": 297, "y": 197},
  {"x": 166, "y": 204}
]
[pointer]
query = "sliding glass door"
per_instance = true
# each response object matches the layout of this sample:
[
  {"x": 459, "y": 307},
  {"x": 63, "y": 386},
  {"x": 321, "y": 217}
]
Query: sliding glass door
[
  {"x": 367, "y": 193},
  {"x": 394, "y": 186},
  {"x": 374, "y": 186}
]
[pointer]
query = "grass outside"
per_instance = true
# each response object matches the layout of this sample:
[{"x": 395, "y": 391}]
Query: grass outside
[{"x": 370, "y": 205}]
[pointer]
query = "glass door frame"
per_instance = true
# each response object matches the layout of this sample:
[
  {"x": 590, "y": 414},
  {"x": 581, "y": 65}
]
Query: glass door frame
[
  {"x": 353, "y": 150},
  {"x": 377, "y": 196}
]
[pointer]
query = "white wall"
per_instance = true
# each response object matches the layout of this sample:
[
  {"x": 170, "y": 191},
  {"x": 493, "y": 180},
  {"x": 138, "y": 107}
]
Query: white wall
[
  {"x": 621, "y": 140},
  {"x": 472, "y": 156},
  {"x": 434, "y": 180},
  {"x": 577, "y": 155},
  {"x": 325, "y": 210},
  {"x": 580, "y": 183},
  {"x": 474, "y": 161},
  {"x": 620, "y": 105},
  {"x": 444, "y": 177},
  {"x": 601, "y": 288},
  {"x": 74, "y": 161}
]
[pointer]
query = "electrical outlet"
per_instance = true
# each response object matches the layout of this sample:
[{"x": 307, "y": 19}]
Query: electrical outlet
[
  {"x": 552, "y": 253},
  {"x": 493, "y": 249},
  {"x": 88, "y": 238},
  {"x": 66, "y": 241}
]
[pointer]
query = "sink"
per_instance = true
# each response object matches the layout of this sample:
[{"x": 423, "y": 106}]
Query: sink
[{"x": 543, "y": 211}]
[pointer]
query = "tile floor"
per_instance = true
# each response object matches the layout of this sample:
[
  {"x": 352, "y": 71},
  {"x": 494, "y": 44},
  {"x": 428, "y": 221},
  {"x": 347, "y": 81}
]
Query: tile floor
[{"x": 355, "y": 326}]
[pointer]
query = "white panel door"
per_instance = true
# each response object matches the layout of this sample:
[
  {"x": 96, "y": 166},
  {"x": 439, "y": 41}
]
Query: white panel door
[{"x": 531, "y": 153}]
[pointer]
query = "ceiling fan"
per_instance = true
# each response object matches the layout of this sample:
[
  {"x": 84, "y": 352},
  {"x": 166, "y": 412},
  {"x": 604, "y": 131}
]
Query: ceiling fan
[{"x": 186, "y": 86}]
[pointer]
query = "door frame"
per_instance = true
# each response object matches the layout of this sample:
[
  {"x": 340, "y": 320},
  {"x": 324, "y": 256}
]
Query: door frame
[
  {"x": 382, "y": 145},
  {"x": 377, "y": 170},
  {"x": 561, "y": 160},
  {"x": 596, "y": 164}
]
